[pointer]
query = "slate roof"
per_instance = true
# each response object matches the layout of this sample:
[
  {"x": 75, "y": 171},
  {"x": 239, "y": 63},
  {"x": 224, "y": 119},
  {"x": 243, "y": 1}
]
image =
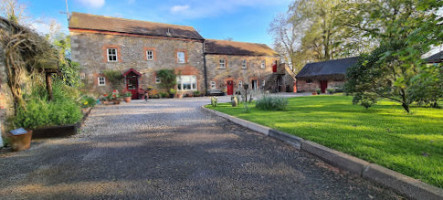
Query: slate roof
[
  {"x": 436, "y": 58},
  {"x": 119, "y": 25},
  {"x": 225, "y": 47},
  {"x": 332, "y": 68}
]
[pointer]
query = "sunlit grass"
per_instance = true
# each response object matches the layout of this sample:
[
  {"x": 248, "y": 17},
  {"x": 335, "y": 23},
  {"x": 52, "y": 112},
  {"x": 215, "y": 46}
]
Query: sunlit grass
[{"x": 385, "y": 134}]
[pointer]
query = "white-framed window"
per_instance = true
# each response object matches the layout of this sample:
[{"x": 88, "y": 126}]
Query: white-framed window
[
  {"x": 186, "y": 82},
  {"x": 181, "y": 57},
  {"x": 243, "y": 64},
  {"x": 101, "y": 81},
  {"x": 222, "y": 64},
  {"x": 213, "y": 85},
  {"x": 240, "y": 84},
  {"x": 157, "y": 80},
  {"x": 112, "y": 55},
  {"x": 150, "y": 55},
  {"x": 263, "y": 64}
]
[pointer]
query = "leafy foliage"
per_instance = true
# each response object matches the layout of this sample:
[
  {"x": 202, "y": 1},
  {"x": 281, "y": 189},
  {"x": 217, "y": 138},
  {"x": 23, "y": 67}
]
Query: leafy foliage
[
  {"x": 39, "y": 112},
  {"x": 168, "y": 79},
  {"x": 114, "y": 77},
  {"x": 87, "y": 101},
  {"x": 214, "y": 101},
  {"x": 406, "y": 29},
  {"x": 271, "y": 103}
]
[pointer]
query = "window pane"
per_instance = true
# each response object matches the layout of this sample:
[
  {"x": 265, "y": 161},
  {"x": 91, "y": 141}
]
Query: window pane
[
  {"x": 150, "y": 55},
  {"x": 181, "y": 57}
]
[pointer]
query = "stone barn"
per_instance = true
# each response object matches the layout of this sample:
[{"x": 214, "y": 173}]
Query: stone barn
[{"x": 323, "y": 75}]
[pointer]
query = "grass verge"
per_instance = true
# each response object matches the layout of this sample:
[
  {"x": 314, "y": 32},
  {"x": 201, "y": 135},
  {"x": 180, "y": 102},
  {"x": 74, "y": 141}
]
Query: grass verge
[{"x": 411, "y": 144}]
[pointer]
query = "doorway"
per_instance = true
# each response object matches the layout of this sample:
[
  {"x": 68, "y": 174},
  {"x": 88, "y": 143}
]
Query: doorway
[
  {"x": 230, "y": 87},
  {"x": 323, "y": 86},
  {"x": 254, "y": 84},
  {"x": 132, "y": 84}
]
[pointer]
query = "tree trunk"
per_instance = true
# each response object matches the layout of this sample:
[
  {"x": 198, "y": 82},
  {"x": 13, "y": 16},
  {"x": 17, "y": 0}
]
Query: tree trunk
[
  {"x": 49, "y": 85},
  {"x": 405, "y": 106}
]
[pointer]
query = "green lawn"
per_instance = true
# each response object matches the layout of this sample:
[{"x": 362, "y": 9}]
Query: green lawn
[{"x": 385, "y": 134}]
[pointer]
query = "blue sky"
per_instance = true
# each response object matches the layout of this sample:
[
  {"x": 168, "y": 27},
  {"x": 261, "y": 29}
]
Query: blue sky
[{"x": 241, "y": 20}]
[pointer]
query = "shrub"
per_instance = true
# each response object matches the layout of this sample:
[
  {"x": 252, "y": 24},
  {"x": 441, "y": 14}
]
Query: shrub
[
  {"x": 172, "y": 91},
  {"x": 39, "y": 112},
  {"x": 87, "y": 101},
  {"x": 271, "y": 103},
  {"x": 214, "y": 101},
  {"x": 246, "y": 108},
  {"x": 196, "y": 93},
  {"x": 330, "y": 90},
  {"x": 114, "y": 77},
  {"x": 163, "y": 94},
  {"x": 318, "y": 91}
]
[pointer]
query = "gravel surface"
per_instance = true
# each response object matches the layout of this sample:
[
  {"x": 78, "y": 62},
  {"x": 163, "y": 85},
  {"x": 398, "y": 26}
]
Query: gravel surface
[{"x": 170, "y": 149}]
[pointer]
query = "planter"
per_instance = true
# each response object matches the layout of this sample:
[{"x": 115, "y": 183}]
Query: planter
[
  {"x": 314, "y": 93},
  {"x": 127, "y": 99},
  {"x": 171, "y": 95},
  {"x": 180, "y": 96},
  {"x": 21, "y": 142},
  {"x": 111, "y": 102}
]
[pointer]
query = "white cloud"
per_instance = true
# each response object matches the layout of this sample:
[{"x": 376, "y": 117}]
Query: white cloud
[
  {"x": 179, "y": 8},
  {"x": 41, "y": 28},
  {"x": 92, "y": 3}
]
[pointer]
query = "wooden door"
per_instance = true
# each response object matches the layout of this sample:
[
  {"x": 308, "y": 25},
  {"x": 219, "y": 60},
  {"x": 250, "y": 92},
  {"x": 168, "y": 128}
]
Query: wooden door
[
  {"x": 323, "y": 86},
  {"x": 132, "y": 84},
  {"x": 230, "y": 87}
]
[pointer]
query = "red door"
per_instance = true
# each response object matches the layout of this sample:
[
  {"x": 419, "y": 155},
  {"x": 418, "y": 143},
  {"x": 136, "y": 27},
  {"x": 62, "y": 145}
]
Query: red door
[
  {"x": 323, "y": 86},
  {"x": 230, "y": 87},
  {"x": 132, "y": 84}
]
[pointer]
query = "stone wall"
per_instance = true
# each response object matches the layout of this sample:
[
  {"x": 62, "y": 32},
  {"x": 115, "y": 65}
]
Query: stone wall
[
  {"x": 303, "y": 86},
  {"x": 234, "y": 71},
  {"x": 89, "y": 49}
]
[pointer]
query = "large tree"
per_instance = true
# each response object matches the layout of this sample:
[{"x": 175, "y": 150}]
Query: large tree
[
  {"x": 312, "y": 30},
  {"x": 406, "y": 29}
]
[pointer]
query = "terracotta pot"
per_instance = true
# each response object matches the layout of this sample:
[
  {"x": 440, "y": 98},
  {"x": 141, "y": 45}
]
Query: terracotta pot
[
  {"x": 127, "y": 99},
  {"x": 314, "y": 93},
  {"x": 116, "y": 102},
  {"x": 21, "y": 142},
  {"x": 179, "y": 96}
]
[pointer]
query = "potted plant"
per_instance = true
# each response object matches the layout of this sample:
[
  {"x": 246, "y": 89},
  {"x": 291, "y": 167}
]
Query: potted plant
[
  {"x": 20, "y": 139},
  {"x": 128, "y": 97},
  {"x": 318, "y": 91},
  {"x": 197, "y": 93},
  {"x": 171, "y": 93}
]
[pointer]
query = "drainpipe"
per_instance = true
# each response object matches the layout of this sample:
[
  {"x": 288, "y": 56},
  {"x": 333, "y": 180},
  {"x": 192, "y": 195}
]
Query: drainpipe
[{"x": 205, "y": 69}]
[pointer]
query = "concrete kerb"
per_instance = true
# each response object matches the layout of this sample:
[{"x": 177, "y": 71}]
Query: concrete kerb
[{"x": 410, "y": 187}]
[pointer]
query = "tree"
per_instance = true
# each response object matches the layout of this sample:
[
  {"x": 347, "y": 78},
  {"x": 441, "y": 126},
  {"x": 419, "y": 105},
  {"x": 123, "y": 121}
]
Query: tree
[
  {"x": 406, "y": 29},
  {"x": 12, "y": 10},
  {"x": 285, "y": 40},
  {"x": 313, "y": 30}
]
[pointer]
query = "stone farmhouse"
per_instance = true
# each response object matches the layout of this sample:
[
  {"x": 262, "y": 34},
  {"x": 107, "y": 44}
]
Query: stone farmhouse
[
  {"x": 138, "y": 49},
  {"x": 323, "y": 75}
]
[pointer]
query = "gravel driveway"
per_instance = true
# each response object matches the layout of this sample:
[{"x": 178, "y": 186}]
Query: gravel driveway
[{"x": 170, "y": 149}]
